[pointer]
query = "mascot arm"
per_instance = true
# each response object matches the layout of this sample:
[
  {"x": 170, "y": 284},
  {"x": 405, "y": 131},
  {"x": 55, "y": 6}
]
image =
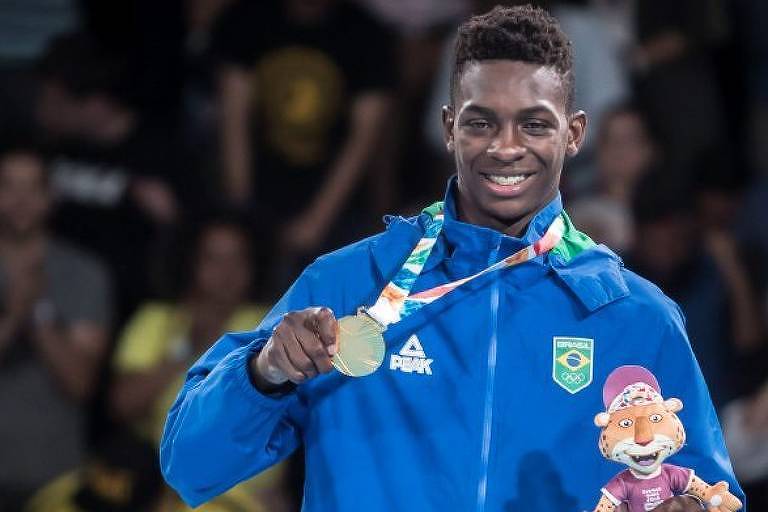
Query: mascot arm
[
  {"x": 716, "y": 497},
  {"x": 605, "y": 505}
]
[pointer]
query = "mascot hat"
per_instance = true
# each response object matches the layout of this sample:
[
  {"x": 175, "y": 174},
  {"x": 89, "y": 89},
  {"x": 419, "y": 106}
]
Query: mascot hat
[{"x": 630, "y": 385}]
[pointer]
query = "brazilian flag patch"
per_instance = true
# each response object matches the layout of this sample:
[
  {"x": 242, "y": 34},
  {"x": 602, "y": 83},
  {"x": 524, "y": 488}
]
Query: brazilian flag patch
[{"x": 572, "y": 362}]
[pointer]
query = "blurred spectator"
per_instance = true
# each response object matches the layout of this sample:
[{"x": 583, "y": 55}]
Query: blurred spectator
[
  {"x": 200, "y": 115},
  {"x": 601, "y": 34},
  {"x": 53, "y": 334},
  {"x": 605, "y": 221},
  {"x": 421, "y": 28},
  {"x": 699, "y": 267},
  {"x": 718, "y": 189},
  {"x": 676, "y": 78},
  {"x": 745, "y": 426},
  {"x": 719, "y": 192},
  {"x": 303, "y": 98},
  {"x": 163, "y": 339},
  {"x": 417, "y": 16},
  {"x": 26, "y": 27},
  {"x": 121, "y": 475},
  {"x": 115, "y": 171},
  {"x": 624, "y": 153}
]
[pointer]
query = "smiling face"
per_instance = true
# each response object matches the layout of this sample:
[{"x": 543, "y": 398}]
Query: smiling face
[
  {"x": 642, "y": 436},
  {"x": 509, "y": 132}
]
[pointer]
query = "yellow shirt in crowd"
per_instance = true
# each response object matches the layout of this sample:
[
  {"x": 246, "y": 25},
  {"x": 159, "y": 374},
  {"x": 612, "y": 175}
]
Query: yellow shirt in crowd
[{"x": 156, "y": 333}]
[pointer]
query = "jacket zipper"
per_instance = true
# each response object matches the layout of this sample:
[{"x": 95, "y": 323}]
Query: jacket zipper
[{"x": 482, "y": 486}]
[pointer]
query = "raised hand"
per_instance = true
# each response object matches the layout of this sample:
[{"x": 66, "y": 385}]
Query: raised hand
[
  {"x": 719, "y": 499},
  {"x": 301, "y": 347}
]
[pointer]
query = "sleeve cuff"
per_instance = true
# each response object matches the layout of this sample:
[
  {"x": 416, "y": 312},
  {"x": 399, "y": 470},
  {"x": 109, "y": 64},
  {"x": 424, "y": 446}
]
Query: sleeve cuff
[
  {"x": 246, "y": 380},
  {"x": 688, "y": 485},
  {"x": 610, "y": 497}
]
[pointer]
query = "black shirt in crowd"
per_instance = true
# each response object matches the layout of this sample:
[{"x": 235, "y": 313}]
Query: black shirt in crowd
[{"x": 304, "y": 80}]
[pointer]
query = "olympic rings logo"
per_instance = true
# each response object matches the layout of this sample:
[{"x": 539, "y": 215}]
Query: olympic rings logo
[{"x": 572, "y": 378}]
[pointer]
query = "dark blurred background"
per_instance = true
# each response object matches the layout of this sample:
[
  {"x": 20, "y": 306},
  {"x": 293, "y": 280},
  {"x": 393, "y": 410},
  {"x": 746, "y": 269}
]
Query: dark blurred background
[{"x": 168, "y": 167}]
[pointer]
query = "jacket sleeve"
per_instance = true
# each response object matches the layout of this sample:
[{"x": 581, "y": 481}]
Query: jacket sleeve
[
  {"x": 221, "y": 430},
  {"x": 679, "y": 375}
]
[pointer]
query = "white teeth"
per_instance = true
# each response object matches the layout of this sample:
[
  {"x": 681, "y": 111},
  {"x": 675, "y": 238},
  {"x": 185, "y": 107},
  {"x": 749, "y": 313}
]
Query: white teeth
[{"x": 507, "y": 180}]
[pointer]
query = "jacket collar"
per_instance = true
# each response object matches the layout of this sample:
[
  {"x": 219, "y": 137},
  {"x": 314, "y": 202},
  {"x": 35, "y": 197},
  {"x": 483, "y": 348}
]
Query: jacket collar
[
  {"x": 474, "y": 242},
  {"x": 593, "y": 276}
]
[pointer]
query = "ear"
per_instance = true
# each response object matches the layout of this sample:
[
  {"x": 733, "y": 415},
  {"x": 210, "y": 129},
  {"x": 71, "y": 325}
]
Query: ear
[
  {"x": 602, "y": 419},
  {"x": 448, "y": 119},
  {"x": 577, "y": 130},
  {"x": 673, "y": 404}
]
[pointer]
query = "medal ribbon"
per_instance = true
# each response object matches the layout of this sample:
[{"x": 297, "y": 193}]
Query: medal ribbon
[{"x": 396, "y": 302}]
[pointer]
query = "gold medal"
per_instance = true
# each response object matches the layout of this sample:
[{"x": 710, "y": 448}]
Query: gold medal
[{"x": 360, "y": 345}]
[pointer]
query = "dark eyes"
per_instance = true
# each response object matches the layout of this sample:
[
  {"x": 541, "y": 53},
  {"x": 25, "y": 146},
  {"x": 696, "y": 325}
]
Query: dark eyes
[
  {"x": 531, "y": 127},
  {"x": 479, "y": 124},
  {"x": 535, "y": 127}
]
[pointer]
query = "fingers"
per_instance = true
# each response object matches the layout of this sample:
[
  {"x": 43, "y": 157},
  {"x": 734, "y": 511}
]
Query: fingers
[
  {"x": 266, "y": 368},
  {"x": 294, "y": 365},
  {"x": 280, "y": 367},
  {"x": 314, "y": 349},
  {"x": 731, "y": 502},
  {"x": 300, "y": 344},
  {"x": 326, "y": 326}
]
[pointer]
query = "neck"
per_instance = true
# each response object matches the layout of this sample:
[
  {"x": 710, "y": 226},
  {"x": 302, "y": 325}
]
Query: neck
[{"x": 515, "y": 227}]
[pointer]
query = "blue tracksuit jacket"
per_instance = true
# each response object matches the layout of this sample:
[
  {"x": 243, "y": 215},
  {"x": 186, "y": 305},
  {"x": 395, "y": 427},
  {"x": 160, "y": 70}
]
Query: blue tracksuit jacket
[{"x": 483, "y": 426}]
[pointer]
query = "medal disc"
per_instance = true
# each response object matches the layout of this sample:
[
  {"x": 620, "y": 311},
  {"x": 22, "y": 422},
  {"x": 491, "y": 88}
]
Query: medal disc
[{"x": 360, "y": 346}]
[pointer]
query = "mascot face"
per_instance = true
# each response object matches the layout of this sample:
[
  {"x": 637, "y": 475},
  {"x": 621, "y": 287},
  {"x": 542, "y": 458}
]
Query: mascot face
[{"x": 641, "y": 436}]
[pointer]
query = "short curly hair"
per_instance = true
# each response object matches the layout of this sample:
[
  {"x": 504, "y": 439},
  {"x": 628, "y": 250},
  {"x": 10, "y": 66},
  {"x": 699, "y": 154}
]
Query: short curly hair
[{"x": 523, "y": 33}]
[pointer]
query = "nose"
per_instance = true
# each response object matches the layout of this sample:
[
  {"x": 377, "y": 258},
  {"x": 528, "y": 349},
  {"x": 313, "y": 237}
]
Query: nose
[
  {"x": 505, "y": 146},
  {"x": 643, "y": 432}
]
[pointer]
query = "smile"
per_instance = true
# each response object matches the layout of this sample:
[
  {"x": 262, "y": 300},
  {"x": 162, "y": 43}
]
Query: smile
[
  {"x": 512, "y": 180},
  {"x": 646, "y": 460}
]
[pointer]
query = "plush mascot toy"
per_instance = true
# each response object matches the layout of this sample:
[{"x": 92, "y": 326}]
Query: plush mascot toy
[{"x": 640, "y": 430}]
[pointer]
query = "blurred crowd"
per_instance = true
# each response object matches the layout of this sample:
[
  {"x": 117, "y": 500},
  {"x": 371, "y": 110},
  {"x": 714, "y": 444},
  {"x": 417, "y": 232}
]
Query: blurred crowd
[{"x": 168, "y": 168}]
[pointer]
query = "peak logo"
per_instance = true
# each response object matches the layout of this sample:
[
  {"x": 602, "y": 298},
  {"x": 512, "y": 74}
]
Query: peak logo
[{"x": 411, "y": 358}]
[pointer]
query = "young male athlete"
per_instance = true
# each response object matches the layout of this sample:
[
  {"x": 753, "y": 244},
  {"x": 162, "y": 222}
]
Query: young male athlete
[{"x": 485, "y": 397}]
